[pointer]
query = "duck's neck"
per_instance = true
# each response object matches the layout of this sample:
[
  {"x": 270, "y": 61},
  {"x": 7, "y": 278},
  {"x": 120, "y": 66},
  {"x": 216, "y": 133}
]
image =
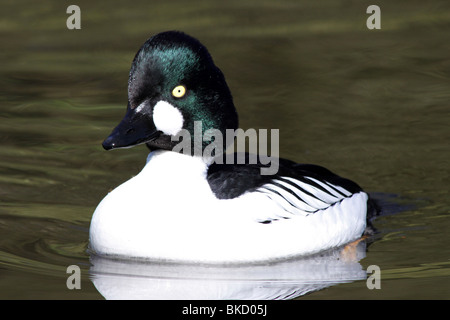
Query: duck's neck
[
  {"x": 182, "y": 176},
  {"x": 169, "y": 164}
]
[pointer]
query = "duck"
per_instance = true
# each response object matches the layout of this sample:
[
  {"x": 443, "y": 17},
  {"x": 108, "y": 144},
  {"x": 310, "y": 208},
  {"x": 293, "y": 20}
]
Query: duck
[{"x": 185, "y": 205}]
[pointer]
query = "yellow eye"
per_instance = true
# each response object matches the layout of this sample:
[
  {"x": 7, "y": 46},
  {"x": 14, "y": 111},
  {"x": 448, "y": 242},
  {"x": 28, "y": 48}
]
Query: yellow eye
[{"x": 179, "y": 91}]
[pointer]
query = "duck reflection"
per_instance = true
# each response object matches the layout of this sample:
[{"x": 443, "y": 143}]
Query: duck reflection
[{"x": 125, "y": 279}]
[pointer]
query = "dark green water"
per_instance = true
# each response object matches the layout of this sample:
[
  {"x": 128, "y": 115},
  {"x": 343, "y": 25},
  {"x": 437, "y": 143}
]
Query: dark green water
[{"x": 372, "y": 105}]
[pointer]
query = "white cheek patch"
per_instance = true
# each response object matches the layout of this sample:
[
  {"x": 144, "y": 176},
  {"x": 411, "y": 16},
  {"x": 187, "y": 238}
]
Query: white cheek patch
[{"x": 167, "y": 118}]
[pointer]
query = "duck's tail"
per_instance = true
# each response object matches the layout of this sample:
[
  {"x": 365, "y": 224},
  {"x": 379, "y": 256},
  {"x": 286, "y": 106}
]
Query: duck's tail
[{"x": 373, "y": 210}]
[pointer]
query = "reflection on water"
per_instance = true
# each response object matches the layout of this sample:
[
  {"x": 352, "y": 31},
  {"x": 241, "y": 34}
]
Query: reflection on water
[{"x": 120, "y": 279}]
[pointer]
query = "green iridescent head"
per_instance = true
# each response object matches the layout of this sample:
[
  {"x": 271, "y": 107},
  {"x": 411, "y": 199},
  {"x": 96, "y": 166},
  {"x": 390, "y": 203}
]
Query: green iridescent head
[{"x": 173, "y": 85}]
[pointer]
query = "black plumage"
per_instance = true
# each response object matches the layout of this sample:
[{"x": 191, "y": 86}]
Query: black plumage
[{"x": 228, "y": 181}]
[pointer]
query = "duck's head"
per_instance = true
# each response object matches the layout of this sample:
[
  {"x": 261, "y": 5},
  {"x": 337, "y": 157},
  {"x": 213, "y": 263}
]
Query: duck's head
[{"x": 173, "y": 83}]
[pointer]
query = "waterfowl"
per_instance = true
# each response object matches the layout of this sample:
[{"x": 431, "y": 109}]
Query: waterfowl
[{"x": 185, "y": 206}]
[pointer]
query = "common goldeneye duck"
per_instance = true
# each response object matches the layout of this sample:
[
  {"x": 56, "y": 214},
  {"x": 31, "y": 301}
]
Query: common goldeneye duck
[{"x": 184, "y": 206}]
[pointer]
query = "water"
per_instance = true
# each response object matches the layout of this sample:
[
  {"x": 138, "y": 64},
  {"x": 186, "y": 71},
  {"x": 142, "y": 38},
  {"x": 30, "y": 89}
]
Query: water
[{"x": 370, "y": 105}]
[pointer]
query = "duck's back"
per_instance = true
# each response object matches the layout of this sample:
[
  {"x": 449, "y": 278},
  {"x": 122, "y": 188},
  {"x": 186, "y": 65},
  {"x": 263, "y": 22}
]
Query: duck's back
[{"x": 305, "y": 187}]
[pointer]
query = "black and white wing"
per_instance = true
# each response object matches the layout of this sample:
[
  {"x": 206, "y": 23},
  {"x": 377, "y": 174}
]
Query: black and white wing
[{"x": 299, "y": 189}]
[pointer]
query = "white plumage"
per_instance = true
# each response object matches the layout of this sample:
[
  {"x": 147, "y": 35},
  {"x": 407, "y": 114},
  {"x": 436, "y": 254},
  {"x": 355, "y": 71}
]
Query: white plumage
[{"x": 168, "y": 212}]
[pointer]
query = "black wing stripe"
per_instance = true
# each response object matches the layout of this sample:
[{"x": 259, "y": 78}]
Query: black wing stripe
[
  {"x": 303, "y": 195},
  {"x": 293, "y": 197},
  {"x": 288, "y": 205},
  {"x": 287, "y": 188},
  {"x": 340, "y": 190},
  {"x": 337, "y": 191},
  {"x": 286, "y": 202},
  {"x": 299, "y": 189},
  {"x": 313, "y": 183},
  {"x": 299, "y": 201},
  {"x": 314, "y": 197}
]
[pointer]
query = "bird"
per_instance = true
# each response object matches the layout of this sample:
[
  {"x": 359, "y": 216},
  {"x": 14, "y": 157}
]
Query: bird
[{"x": 188, "y": 207}]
